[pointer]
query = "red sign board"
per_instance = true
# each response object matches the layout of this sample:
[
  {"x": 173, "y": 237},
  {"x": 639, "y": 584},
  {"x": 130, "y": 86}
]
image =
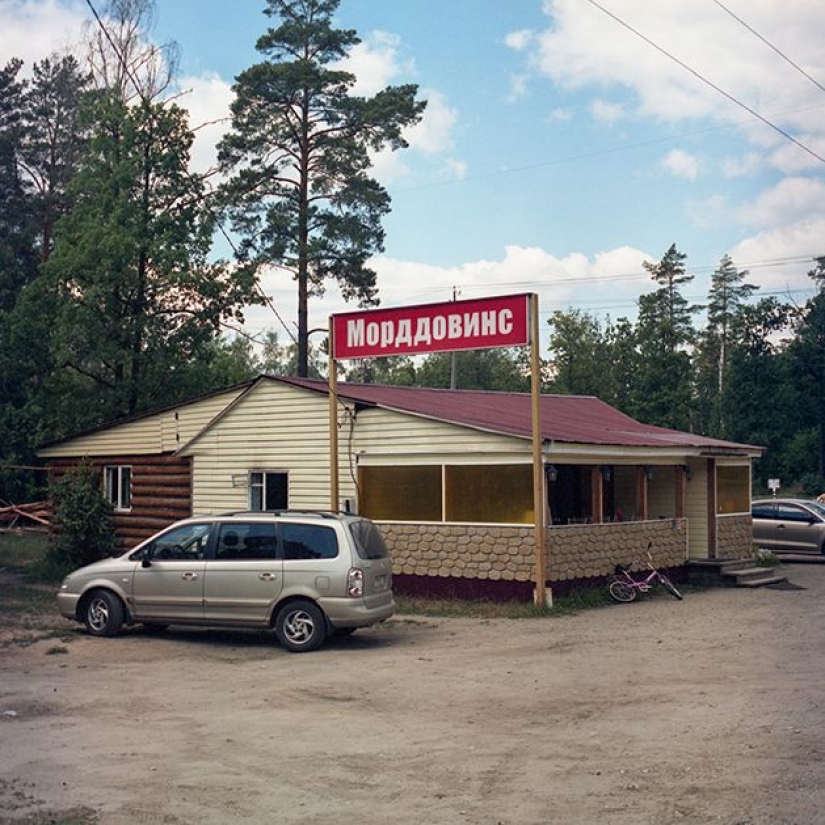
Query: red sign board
[{"x": 454, "y": 325}]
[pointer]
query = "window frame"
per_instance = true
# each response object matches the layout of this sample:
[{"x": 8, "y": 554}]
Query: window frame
[
  {"x": 261, "y": 486},
  {"x": 116, "y": 489}
]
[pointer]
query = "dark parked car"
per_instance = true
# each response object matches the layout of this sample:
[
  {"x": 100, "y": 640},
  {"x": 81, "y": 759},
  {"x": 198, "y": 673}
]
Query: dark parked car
[{"x": 789, "y": 525}]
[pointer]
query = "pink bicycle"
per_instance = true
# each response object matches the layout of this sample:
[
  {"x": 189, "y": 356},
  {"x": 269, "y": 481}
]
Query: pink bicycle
[{"x": 624, "y": 588}]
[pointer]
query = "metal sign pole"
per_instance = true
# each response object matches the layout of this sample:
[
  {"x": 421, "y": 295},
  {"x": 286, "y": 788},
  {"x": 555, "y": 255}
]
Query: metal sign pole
[
  {"x": 333, "y": 423},
  {"x": 540, "y": 595}
]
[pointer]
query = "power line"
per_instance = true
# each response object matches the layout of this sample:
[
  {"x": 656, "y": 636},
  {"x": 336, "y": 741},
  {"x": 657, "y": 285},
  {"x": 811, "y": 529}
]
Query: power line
[
  {"x": 770, "y": 45},
  {"x": 707, "y": 82}
]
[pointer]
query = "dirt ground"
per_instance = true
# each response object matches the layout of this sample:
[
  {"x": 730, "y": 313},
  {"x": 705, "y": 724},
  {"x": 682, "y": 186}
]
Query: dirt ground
[{"x": 709, "y": 710}]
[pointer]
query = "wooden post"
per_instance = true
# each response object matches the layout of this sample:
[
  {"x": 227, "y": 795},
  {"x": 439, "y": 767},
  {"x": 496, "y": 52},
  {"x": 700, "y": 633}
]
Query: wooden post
[
  {"x": 641, "y": 493},
  {"x": 597, "y": 495},
  {"x": 680, "y": 479},
  {"x": 540, "y": 594},
  {"x": 334, "y": 503},
  {"x": 713, "y": 545}
]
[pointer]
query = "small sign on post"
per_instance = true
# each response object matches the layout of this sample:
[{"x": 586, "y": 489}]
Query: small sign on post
[{"x": 773, "y": 485}]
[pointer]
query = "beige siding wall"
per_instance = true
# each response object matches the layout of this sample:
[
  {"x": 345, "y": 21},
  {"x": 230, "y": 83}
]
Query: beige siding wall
[
  {"x": 697, "y": 510},
  {"x": 277, "y": 428},
  {"x": 165, "y": 432},
  {"x": 387, "y": 434}
]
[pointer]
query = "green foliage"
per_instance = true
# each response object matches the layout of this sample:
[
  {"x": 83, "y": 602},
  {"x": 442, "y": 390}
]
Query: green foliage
[
  {"x": 485, "y": 369},
  {"x": 300, "y": 195},
  {"x": 83, "y": 526}
]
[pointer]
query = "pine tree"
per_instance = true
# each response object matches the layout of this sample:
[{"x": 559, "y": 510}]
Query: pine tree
[{"x": 299, "y": 151}]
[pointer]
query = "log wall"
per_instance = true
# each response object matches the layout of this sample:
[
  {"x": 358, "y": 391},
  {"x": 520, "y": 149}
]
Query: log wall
[{"x": 161, "y": 493}]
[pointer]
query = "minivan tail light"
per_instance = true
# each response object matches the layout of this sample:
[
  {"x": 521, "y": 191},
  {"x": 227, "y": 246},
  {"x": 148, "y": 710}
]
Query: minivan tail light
[{"x": 355, "y": 583}]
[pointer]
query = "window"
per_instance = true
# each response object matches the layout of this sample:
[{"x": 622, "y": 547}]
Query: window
[
  {"x": 790, "y": 512},
  {"x": 308, "y": 541},
  {"x": 733, "y": 489},
  {"x": 487, "y": 494},
  {"x": 493, "y": 493},
  {"x": 368, "y": 540},
  {"x": 183, "y": 543},
  {"x": 118, "y": 486},
  {"x": 247, "y": 542},
  {"x": 268, "y": 491},
  {"x": 401, "y": 493},
  {"x": 764, "y": 510}
]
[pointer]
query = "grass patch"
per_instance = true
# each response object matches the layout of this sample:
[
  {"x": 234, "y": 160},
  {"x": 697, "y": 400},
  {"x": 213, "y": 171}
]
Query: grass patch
[
  {"x": 27, "y": 594},
  {"x": 20, "y": 551},
  {"x": 573, "y": 602},
  {"x": 766, "y": 558}
]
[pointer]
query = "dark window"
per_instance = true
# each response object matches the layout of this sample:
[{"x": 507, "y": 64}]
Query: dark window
[
  {"x": 368, "y": 540},
  {"x": 268, "y": 491},
  {"x": 247, "y": 542},
  {"x": 790, "y": 512},
  {"x": 308, "y": 541},
  {"x": 763, "y": 510}
]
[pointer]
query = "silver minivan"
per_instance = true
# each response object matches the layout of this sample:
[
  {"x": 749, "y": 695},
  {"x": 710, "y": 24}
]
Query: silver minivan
[{"x": 306, "y": 574}]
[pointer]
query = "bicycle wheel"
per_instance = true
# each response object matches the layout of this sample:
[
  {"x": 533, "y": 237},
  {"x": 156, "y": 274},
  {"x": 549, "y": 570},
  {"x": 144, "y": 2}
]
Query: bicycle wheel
[
  {"x": 670, "y": 587},
  {"x": 622, "y": 591}
]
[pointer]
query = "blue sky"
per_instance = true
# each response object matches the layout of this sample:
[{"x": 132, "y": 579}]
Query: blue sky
[{"x": 559, "y": 149}]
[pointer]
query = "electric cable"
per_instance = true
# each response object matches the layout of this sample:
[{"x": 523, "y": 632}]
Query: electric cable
[{"x": 707, "y": 82}]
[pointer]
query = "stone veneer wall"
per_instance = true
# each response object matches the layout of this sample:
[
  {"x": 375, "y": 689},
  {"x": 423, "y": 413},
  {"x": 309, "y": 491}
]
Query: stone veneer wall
[
  {"x": 584, "y": 551},
  {"x": 734, "y": 537},
  {"x": 506, "y": 554}
]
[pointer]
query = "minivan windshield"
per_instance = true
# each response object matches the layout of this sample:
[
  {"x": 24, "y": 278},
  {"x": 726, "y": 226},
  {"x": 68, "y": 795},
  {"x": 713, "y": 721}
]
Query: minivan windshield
[{"x": 368, "y": 540}]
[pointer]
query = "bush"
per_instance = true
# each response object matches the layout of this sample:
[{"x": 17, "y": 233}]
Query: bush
[{"x": 83, "y": 520}]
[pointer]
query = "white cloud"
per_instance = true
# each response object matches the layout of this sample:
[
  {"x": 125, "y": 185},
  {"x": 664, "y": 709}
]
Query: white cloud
[
  {"x": 518, "y": 87},
  {"x": 376, "y": 62},
  {"x": 558, "y": 281},
  {"x": 34, "y": 29},
  {"x": 779, "y": 259},
  {"x": 584, "y": 47},
  {"x": 682, "y": 164},
  {"x": 207, "y": 98},
  {"x": 606, "y": 112},
  {"x": 713, "y": 211},
  {"x": 519, "y": 40},
  {"x": 741, "y": 165},
  {"x": 789, "y": 201}
]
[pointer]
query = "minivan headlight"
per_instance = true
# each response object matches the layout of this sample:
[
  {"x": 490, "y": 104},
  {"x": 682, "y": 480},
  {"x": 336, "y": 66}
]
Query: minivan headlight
[{"x": 355, "y": 583}]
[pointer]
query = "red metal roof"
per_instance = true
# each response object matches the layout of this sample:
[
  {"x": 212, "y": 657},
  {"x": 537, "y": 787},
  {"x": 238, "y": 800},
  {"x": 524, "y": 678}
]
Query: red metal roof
[{"x": 574, "y": 419}]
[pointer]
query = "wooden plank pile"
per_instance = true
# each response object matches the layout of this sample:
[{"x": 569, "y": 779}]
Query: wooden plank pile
[{"x": 37, "y": 515}]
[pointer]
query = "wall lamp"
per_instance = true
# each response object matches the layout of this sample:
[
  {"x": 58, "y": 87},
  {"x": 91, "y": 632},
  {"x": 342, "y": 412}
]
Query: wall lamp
[
  {"x": 607, "y": 472},
  {"x": 648, "y": 471},
  {"x": 552, "y": 472},
  {"x": 688, "y": 471}
]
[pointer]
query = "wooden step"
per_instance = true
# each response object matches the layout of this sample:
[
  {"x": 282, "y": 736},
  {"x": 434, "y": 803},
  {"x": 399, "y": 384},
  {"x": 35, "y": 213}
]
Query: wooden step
[{"x": 753, "y": 576}]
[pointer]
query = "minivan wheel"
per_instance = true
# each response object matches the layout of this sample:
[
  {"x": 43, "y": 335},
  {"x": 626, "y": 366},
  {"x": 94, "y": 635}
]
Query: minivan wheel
[
  {"x": 103, "y": 613},
  {"x": 300, "y": 626}
]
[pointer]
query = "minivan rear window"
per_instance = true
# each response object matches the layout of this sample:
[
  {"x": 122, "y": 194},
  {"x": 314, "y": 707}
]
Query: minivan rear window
[{"x": 368, "y": 540}]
